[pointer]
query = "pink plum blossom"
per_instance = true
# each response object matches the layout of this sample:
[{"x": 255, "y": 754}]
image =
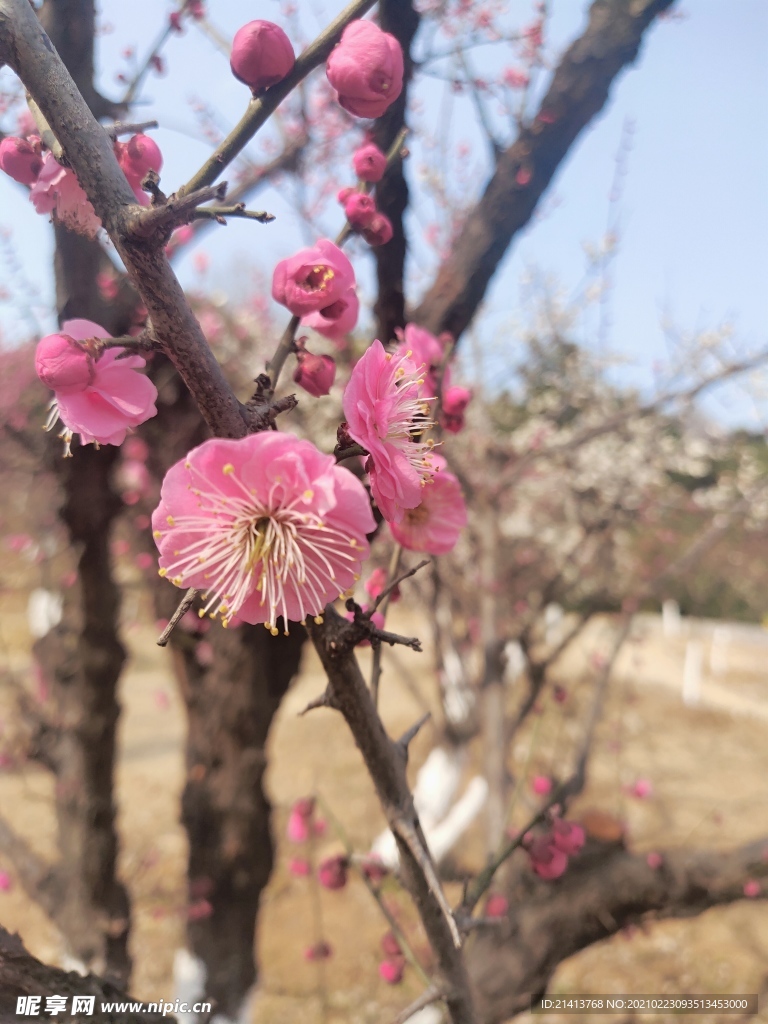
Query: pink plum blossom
[
  {"x": 567, "y": 836},
  {"x": 369, "y": 162},
  {"x": 541, "y": 785},
  {"x": 5, "y": 881},
  {"x": 359, "y": 207},
  {"x": 332, "y": 872},
  {"x": 374, "y": 869},
  {"x": 752, "y": 888},
  {"x": 392, "y": 971},
  {"x": 385, "y": 414},
  {"x": 314, "y": 279},
  {"x": 654, "y": 860},
  {"x": 262, "y": 55},
  {"x": 21, "y": 159},
  {"x": 336, "y": 320},
  {"x": 455, "y": 401},
  {"x": 366, "y": 69},
  {"x": 425, "y": 351},
  {"x": 137, "y": 157},
  {"x": 378, "y": 230},
  {"x": 300, "y": 820},
  {"x": 57, "y": 191},
  {"x": 99, "y": 399},
  {"x": 266, "y": 526},
  {"x": 315, "y": 374},
  {"x": 546, "y": 860},
  {"x": 376, "y": 583},
  {"x": 435, "y": 524},
  {"x": 642, "y": 789}
]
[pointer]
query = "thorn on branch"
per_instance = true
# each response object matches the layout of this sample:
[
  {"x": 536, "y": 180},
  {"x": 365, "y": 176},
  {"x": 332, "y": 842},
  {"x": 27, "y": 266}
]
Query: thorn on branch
[
  {"x": 368, "y": 631},
  {"x": 405, "y": 740},
  {"x": 184, "y": 605},
  {"x": 325, "y": 700},
  {"x": 262, "y": 409}
]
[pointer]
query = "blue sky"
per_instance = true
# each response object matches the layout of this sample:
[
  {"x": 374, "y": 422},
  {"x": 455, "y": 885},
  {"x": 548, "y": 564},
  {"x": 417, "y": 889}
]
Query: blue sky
[{"x": 694, "y": 205}]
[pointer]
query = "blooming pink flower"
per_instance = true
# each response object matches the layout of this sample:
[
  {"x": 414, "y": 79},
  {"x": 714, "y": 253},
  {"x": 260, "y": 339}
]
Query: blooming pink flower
[
  {"x": 541, "y": 785},
  {"x": 515, "y": 78},
  {"x": 546, "y": 860},
  {"x": 336, "y": 320},
  {"x": 262, "y": 55},
  {"x": 654, "y": 860},
  {"x": 299, "y": 866},
  {"x": 320, "y": 951},
  {"x": 435, "y": 524},
  {"x": 359, "y": 207},
  {"x": 567, "y": 836},
  {"x": 98, "y": 399},
  {"x": 332, "y": 872},
  {"x": 425, "y": 350},
  {"x": 265, "y": 526},
  {"x": 392, "y": 971},
  {"x": 384, "y": 414},
  {"x": 21, "y": 159},
  {"x": 455, "y": 401},
  {"x": 57, "y": 191},
  {"x": 378, "y": 230},
  {"x": 752, "y": 888},
  {"x": 366, "y": 69},
  {"x": 369, "y": 162},
  {"x": 497, "y": 906},
  {"x": 314, "y": 279},
  {"x": 314, "y": 373},
  {"x": 138, "y": 157}
]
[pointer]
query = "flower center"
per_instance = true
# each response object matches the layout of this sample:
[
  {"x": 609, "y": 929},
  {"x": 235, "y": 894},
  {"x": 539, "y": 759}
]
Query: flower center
[{"x": 318, "y": 278}]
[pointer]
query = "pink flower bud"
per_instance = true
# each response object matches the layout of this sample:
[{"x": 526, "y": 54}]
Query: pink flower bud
[
  {"x": 567, "y": 836},
  {"x": 197, "y": 9},
  {"x": 390, "y": 946},
  {"x": 315, "y": 373},
  {"x": 497, "y": 906},
  {"x": 541, "y": 785},
  {"x": 376, "y": 583},
  {"x": 546, "y": 860},
  {"x": 262, "y": 55},
  {"x": 137, "y": 157},
  {"x": 332, "y": 872},
  {"x": 21, "y": 159},
  {"x": 175, "y": 20},
  {"x": 320, "y": 951},
  {"x": 378, "y": 230},
  {"x": 199, "y": 910},
  {"x": 369, "y": 162},
  {"x": 654, "y": 860},
  {"x": 360, "y": 209},
  {"x": 642, "y": 789},
  {"x": 455, "y": 401},
  {"x": 392, "y": 971},
  {"x": 374, "y": 868},
  {"x": 752, "y": 888},
  {"x": 298, "y": 828},
  {"x": 366, "y": 69},
  {"x": 63, "y": 365},
  {"x": 5, "y": 881}
]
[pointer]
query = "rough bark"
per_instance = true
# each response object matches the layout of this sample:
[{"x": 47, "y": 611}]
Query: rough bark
[
  {"x": 400, "y": 19},
  {"x": 579, "y": 90},
  {"x": 23, "y": 975},
  {"x": 605, "y": 889}
]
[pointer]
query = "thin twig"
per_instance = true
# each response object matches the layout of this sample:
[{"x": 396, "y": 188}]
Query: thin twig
[
  {"x": 114, "y": 131},
  {"x": 184, "y": 605},
  {"x": 394, "y": 564},
  {"x": 396, "y": 583},
  {"x": 219, "y": 213},
  {"x": 429, "y": 996}
]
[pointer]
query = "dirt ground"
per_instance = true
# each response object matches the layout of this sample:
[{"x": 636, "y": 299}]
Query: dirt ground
[{"x": 708, "y": 766}]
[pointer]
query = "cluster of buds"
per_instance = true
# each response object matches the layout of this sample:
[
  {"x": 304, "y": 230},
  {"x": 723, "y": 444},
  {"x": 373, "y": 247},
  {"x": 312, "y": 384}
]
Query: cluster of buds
[{"x": 549, "y": 851}]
